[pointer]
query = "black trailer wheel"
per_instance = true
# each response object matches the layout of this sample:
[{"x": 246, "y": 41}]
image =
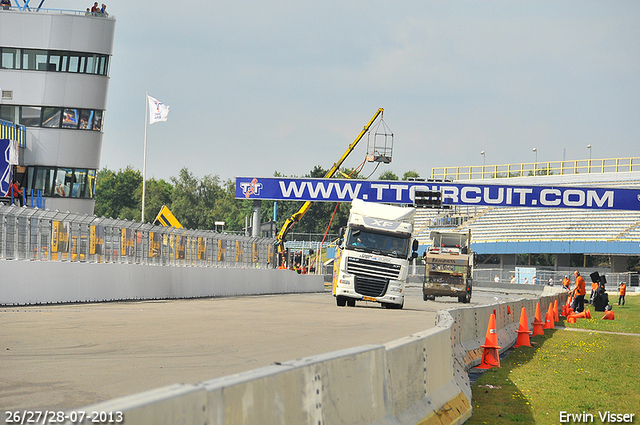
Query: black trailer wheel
[
  {"x": 341, "y": 301},
  {"x": 351, "y": 302}
]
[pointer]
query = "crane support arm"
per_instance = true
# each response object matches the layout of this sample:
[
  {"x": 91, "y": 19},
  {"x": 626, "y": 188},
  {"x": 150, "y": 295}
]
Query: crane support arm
[{"x": 297, "y": 216}]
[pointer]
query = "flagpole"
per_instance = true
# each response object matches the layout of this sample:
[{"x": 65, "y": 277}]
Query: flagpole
[{"x": 144, "y": 160}]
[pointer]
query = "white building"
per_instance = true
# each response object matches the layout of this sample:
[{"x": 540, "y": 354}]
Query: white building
[{"x": 54, "y": 77}]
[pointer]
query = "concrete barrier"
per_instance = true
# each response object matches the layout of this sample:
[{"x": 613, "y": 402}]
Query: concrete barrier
[
  {"x": 419, "y": 379},
  {"x": 30, "y": 282}
]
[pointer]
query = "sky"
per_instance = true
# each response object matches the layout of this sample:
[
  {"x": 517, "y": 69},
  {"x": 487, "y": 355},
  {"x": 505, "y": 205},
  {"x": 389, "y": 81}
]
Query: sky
[{"x": 259, "y": 87}]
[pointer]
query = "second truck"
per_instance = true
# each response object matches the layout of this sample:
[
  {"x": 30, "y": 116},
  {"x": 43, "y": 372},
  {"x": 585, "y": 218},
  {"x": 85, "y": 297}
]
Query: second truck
[{"x": 448, "y": 267}]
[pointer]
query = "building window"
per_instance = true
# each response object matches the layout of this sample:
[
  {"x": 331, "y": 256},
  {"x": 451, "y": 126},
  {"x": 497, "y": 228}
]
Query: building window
[
  {"x": 70, "y": 118},
  {"x": 54, "y": 61},
  {"x": 34, "y": 60},
  {"x": 86, "y": 119},
  {"x": 51, "y": 117},
  {"x": 62, "y": 182},
  {"x": 10, "y": 58},
  {"x": 9, "y": 113},
  {"x": 30, "y": 116}
]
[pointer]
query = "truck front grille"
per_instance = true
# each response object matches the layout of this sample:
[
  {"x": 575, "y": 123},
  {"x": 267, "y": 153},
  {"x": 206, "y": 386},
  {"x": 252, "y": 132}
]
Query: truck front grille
[
  {"x": 373, "y": 269},
  {"x": 372, "y": 277},
  {"x": 370, "y": 286}
]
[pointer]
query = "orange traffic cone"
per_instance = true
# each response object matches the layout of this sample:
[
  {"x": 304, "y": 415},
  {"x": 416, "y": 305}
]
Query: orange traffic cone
[
  {"x": 608, "y": 315},
  {"x": 571, "y": 319},
  {"x": 556, "y": 316},
  {"x": 584, "y": 315},
  {"x": 537, "y": 322},
  {"x": 490, "y": 354},
  {"x": 523, "y": 330},
  {"x": 563, "y": 313},
  {"x": 548, "y": 319}
]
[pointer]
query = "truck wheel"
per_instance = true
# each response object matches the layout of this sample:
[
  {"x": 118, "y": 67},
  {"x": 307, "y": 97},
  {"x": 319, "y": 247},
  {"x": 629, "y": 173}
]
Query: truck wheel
[
  {"x": 390, "y": 306},
  {"x": 351, "y": 302},
  {"x": 425, "y": 297},
  {"x": 341, "y": 301}
]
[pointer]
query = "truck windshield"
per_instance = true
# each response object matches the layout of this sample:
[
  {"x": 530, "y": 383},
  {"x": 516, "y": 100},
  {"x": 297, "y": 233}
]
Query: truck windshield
[{"x": 367, "y": 241}]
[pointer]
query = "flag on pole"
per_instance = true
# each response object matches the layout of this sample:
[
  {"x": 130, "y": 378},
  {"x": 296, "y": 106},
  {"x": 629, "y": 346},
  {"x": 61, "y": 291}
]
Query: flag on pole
[{"x": 158, "y": 111}]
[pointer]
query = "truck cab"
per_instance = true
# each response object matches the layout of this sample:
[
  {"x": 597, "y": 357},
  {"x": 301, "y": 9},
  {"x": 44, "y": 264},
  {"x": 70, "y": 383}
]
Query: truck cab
[{"x": 373, "y": 255}]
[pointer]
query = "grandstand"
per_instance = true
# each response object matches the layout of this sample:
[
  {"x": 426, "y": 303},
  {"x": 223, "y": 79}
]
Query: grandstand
[{"x": 507, "y": 231}]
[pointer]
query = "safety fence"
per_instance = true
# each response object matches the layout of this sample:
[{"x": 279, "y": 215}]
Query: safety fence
[
  {"x": 547, "y": 168},
  {"x": 45, "y": 235}
]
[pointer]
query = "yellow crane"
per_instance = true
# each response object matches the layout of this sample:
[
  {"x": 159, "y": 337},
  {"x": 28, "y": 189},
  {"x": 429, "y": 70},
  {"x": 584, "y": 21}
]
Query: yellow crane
[{"x": 297, "y": 216}]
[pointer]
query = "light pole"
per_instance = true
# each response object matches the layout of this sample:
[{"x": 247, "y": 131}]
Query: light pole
[
  {"x": 483, "y": 159},
  {"x": 535, "y": 165},
  {"x": 589, "y": 147}
]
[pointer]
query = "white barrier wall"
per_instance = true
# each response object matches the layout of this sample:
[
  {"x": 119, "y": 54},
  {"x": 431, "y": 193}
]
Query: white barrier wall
[
  {"x": 419, "y": 379},
  {"x": 29, "y": 282}
]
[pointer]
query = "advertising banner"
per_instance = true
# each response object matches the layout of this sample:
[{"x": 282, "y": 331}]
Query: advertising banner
[
  {"x": 222, "y": 247},
  {"x": 238, "y": 251},
  {"x": 180, "y": 247},
  {"x": 96, "y": 240},
  {"x": 60, "y": 236},
  {"x": 127, "y": 243},
  {"x": 154, "y": 244},
  {"x": 202, "y": 248},
  {"x": 401, "y": 192},
  {"x": 255, "y": 253}
]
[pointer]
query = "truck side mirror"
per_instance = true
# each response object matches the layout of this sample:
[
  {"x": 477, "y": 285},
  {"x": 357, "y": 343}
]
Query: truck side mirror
[
  {"x": 414, "y": 247},
  {"x": 414, "y": 255},
  {"x": 341, "y": 233}
]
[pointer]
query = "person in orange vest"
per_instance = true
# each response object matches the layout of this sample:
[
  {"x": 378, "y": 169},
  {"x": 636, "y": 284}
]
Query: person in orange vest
[
  {"x": 579, "y": 291},
  {"x": 608, "y": 315},
  {"x": 566, "y": 283},
  {"x": 622, "y": 288}
]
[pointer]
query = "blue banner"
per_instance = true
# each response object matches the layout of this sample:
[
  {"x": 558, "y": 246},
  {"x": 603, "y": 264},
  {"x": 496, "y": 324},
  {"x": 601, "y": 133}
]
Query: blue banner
[
  {"x": 5, "y": 166},
  {"x": 401, "y": 192}
]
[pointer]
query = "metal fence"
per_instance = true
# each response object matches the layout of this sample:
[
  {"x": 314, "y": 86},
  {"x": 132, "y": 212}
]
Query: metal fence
[
  {"x": 542, "y": 276},
  {"x": 45, "y": 235}
]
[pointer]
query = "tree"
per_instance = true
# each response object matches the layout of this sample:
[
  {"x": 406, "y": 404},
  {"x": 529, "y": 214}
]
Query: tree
[
  {"x": 194, "y": 200},
  {"x": 116, "y": 193},
  {"x": 158, "y": 193},
  {"x": 388, "y": 175},
  {"x": 410, "y": 174}
]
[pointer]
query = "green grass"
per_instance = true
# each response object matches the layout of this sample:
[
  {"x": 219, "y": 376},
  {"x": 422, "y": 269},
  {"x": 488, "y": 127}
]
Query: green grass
[{"x": 564, "y": 370}]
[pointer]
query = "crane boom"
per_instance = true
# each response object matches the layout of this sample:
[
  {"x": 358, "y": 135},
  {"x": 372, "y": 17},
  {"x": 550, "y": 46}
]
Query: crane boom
[{"x": 297, "y": 216}]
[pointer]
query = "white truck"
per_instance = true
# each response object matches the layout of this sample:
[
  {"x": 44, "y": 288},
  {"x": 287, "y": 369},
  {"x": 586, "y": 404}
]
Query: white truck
[{"x": 372, "y": 257}]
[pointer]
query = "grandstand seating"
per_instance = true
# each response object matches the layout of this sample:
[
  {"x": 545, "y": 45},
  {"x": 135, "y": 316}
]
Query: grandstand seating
[{"x": 513, "y": 224}]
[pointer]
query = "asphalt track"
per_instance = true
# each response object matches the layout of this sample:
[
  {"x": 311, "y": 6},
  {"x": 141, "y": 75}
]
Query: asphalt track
[{"x": 74, "y": 355}]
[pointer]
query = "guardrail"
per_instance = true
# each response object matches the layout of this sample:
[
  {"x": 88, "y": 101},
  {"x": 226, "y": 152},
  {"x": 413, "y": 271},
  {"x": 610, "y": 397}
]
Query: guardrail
[
  {"x": 417, "y": 379},
  {"x": 583, "y": 166},
  {"x": 45, "y": 235}
]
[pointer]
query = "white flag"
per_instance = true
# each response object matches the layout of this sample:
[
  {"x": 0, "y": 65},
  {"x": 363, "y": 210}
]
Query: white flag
[{"x": 158, "y": 111}]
